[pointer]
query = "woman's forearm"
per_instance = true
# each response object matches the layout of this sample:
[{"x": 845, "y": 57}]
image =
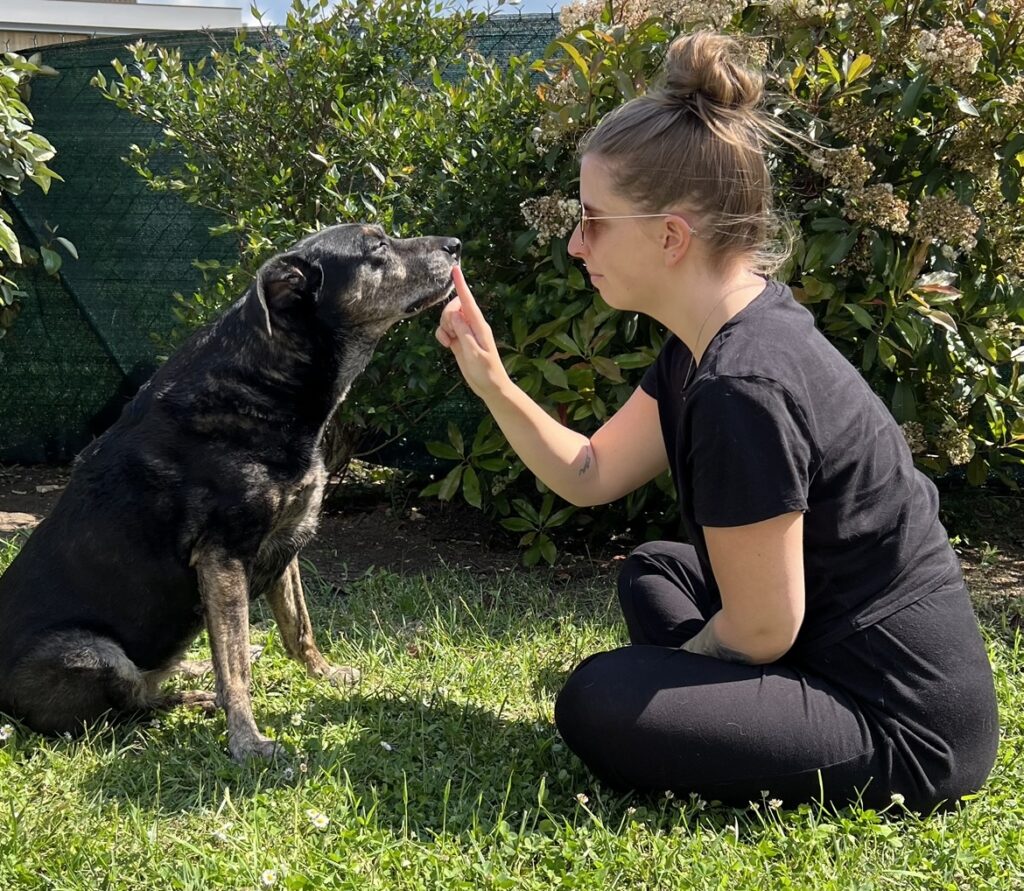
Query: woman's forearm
[
  {"x": 722, "y": 639},
  {"x": 561, "y": 458}
]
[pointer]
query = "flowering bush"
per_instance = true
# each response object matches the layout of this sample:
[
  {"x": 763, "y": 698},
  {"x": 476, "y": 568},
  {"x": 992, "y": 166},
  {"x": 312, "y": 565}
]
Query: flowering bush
[{"x": 905, "y": 212}]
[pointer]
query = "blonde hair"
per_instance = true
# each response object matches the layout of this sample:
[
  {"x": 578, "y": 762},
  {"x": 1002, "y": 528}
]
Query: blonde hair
[{"x": 697, "y": 142}]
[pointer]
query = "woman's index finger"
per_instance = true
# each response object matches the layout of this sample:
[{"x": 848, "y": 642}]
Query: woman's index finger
[{"x": 469, "y": 307}]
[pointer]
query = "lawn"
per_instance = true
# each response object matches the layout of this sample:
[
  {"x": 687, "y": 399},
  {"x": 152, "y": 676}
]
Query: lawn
[{"x": 442, "y": 769}]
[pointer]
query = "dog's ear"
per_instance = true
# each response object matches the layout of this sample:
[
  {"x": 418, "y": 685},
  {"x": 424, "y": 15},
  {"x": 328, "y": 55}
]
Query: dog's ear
[{"x": 285, "y": 281}]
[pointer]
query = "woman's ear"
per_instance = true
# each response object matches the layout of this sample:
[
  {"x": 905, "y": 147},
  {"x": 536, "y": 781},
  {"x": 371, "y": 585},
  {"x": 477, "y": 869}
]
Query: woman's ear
[{"x": 675, "y": 239}]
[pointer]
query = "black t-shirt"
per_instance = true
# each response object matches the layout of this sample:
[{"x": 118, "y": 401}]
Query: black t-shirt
[{"x": 774, "y": 420}]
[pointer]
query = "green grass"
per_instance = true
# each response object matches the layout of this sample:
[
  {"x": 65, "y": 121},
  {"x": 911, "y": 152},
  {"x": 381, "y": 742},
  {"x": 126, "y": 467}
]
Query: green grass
[{"x": 473, "y": 790}]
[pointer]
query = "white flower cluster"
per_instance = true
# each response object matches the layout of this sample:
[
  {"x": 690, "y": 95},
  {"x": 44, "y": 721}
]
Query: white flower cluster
[
  {"x": 1008, "y": 9},
  {"x": 810, "y": 9},
  {"x": 944, "y": 220},
  {"x": 551, "y": 216},
  {"x": 952, "y": 52},
  {"x": 970, "y": 148},
  {"x": 1003, "y": 225},
  {"x": 877, "y": 206},
  {"x": 859, "y": 259},
  {"x": 858, "y": 123},
  {"x": 632, "y": 13},
  {"x": 845, "y": 168},
  {"x": 956, "y": 443},
  {"x": 913, "y": 433}
]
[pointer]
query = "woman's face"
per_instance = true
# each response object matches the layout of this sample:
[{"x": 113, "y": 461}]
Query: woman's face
[{"x": 621, "y": 256}]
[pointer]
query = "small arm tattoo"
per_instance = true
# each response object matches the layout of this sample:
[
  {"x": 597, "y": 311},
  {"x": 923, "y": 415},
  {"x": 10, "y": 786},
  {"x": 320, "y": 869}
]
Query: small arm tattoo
[
  {"x": 586, "y": 460},
  {"x": 706, "y": 643}
]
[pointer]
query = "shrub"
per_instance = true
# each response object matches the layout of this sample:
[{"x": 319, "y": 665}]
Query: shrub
[
  {"x": 906, "y": 217},
  {"x": 23, "y": 155}
]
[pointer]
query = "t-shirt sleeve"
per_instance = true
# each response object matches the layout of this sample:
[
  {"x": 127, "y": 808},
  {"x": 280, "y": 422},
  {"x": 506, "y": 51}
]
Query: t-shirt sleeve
[
  {"x": 749, "y": 452},
  {"x": 649, "y": 382}
]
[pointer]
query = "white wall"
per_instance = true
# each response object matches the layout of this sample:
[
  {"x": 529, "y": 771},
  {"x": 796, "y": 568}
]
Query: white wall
[{"x": 83, "y": 17}]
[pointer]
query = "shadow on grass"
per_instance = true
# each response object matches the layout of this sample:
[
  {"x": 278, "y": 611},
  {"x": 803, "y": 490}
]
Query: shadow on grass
[{"x": 408, "y": 764}]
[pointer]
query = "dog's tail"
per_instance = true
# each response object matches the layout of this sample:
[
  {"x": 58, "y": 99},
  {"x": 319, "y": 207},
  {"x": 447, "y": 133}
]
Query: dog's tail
[{"x": 72, "y": 678}]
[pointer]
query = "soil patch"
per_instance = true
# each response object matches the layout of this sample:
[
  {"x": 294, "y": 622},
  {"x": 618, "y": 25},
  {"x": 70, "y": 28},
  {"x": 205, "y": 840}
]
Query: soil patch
[{"x": 361, "y": 530}]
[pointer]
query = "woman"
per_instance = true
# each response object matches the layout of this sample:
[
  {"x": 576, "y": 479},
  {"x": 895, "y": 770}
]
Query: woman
[{"x": 816, "y": 640}]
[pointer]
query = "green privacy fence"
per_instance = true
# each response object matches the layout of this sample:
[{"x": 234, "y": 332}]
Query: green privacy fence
[{"x": 84, "y": 342}]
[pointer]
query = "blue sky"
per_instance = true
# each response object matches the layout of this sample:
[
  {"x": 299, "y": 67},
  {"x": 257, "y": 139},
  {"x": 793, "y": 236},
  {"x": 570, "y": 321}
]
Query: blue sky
[{"x": 275, "y": 10}]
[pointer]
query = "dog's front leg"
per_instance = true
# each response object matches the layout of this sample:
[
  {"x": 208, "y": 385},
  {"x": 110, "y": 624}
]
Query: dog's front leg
[
  {"x": 289, "y": 607},
  {"x": 225, "y": 595}
]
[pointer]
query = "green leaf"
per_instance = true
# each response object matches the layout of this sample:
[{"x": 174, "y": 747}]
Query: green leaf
[
  {"x": 967, "y": 107},
  {"x": 862, "y": 316},
  {"x": 516, "y": 524},
  {"x": 913, "y": 96},
  {"x": 977, "y": 470},
  {"x": 607, "y": 368},
  {"x": 904, "y": 405},
  {"x": 548, "y": 550},
  {"x": 471, "y": 487},
  {"x": 553, "y": 374},
  {"x": 68, "y": 246},
  {"x": 450, "y": 484},
  {"x": 52, "y": 261},
  {"x": 443, "y": 450},
  {"x": 861, "y": 65},
  {"x": 574, "y": 54},
  {"x": 940, "y": 318},
  {"x": 9, "y": 243},
  {"x": 830, "y": 64},
  {"x": 455, "y": 437}
]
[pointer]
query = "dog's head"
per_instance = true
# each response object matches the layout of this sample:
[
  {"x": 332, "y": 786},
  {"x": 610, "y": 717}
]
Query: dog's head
[{"x": 354, "y": 275}]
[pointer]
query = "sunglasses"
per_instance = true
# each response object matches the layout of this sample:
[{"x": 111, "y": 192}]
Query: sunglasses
[{"x": 586, "y": 219}]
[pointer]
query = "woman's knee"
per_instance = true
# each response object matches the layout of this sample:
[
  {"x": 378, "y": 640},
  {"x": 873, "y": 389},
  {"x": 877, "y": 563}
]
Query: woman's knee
[{"x": 583, "y": 704}]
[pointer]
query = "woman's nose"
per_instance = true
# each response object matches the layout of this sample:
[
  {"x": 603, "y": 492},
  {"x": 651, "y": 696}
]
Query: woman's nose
[{"x": 576, "y": 246}]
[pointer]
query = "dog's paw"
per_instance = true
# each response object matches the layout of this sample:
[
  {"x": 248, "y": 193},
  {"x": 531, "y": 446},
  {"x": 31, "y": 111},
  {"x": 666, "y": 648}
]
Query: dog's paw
[
  {"x": 244, "y": 748},
  {"x": 342, "y": 675}
]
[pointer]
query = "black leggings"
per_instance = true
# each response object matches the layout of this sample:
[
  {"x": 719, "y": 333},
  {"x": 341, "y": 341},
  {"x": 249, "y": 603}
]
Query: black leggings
[{"x": 904, "y": 706}]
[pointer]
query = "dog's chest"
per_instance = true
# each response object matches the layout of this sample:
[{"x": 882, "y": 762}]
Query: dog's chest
[{"x": 297, "y": 512}]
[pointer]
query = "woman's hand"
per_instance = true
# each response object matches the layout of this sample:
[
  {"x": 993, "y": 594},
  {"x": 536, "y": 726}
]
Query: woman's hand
[{"x": 466, "y": 333}]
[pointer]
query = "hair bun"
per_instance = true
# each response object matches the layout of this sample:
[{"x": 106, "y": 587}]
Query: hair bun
[{"x": 712, "y": 67}]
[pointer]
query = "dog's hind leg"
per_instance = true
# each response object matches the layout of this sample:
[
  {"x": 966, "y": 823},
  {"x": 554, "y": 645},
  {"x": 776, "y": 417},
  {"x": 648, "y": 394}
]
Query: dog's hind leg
[
  {"x": 289, "y": 607},
  {"x": 73, "y": 678},
  {"x": 197, "y": 668}
]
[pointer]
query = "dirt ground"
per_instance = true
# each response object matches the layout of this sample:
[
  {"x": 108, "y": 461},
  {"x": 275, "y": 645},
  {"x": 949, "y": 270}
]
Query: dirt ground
[
  {"x": 371, "y": 533},
  {"x": 367, "y": 532}
]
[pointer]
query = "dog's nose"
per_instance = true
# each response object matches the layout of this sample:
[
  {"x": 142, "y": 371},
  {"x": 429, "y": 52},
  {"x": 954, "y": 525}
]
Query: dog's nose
[{"x": 452, "y": 246}]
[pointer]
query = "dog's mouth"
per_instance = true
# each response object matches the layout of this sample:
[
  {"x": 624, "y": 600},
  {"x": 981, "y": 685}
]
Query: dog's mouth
[{"x": 431, "y": 299}]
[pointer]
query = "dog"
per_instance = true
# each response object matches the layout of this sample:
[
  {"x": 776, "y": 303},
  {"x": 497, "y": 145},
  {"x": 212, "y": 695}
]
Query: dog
[{"x": 201, "y": 495}]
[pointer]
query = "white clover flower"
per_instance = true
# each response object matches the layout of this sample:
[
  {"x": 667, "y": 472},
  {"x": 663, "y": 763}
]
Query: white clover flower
[
  {"x": 669, "y": 794},
  {"x": 320, "y": 821},
  {"x": 6, "y": 732},
  {"x": 581, "y": 797},
  {"x": 775, "y": 803},
  {"x": 754, "y": 806},
  {"x": 296, "y": 719},
  {"x": 268, "y": 878},
  {"x": 386, "y": 746},
  {"x": 897, "y": 798}
]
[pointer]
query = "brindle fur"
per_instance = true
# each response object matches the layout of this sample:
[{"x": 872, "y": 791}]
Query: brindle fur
[{"x": 201, "y": 495}]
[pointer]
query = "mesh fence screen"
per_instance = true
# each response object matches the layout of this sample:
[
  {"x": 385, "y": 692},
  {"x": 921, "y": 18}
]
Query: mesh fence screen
[{"x": 85, "y": 341}]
